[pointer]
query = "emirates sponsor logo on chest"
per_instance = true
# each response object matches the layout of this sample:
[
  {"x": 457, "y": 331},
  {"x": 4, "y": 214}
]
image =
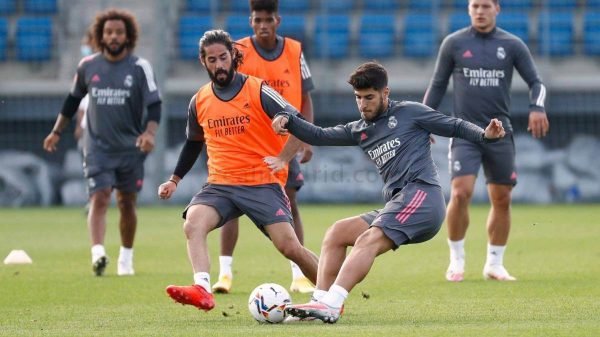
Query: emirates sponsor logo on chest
[
  {"x": 384, "y": 152},
  {"x": 228, "y": 126}
]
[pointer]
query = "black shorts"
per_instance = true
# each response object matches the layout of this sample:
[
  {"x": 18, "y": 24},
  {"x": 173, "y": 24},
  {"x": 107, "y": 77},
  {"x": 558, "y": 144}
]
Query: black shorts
[
  {"x": 498, "y": 160},
  {"x": 263, "y": 204},
  {"x": 295, "y": 178},
  {"x": 415, "y": 214},
  {"x": 123, "y": 171}
]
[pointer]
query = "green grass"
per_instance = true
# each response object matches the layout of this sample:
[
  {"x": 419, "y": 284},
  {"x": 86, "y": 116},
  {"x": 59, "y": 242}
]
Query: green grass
[{"x": 554, "y": 251}]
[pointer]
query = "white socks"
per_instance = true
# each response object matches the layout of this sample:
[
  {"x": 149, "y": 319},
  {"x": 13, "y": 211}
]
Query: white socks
[
  {"x": 225, "y": 266},
  {"x": 457, "y": 253},
  {"x": 495, "y": 255},
  {"x": 97, "y": 252},
  {"x": 126, "y": 254},
  {"x": 335, "y": 297},
  {"x": 317, "y": 295},
  {"x": 296, "y": 271},
  {"x": 203, "y": 279}
]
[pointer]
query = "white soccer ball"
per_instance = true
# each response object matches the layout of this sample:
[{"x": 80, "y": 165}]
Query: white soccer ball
[{"x": 267, "y": 303}]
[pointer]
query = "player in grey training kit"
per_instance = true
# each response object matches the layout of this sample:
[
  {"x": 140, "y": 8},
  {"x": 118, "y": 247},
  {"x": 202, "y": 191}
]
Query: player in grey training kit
[
  {"x": 118, "y": 135},
  {"x": 395, "y": 137},
  {"x": 481, "y": 58}
]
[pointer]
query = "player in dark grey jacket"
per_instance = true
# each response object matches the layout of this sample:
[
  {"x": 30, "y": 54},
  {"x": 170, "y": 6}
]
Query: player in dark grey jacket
[
  {"x": 395, "y": 137},
  {"x": 481, "y": 59},
  {"x": 118, "y": 135}
]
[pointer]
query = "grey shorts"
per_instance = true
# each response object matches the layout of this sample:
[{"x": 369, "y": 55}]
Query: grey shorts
[
  {"x": 295, "y": 178},
  {"x": 263, "y": 204},
  {"x": 123, "y": 171},
  {"x": 415, "y": 214},
  {"x": 498, "y": 160}
]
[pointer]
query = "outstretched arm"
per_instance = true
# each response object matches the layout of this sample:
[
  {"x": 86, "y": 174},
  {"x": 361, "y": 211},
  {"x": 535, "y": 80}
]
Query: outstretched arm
[{"x": 334, "y": 136}]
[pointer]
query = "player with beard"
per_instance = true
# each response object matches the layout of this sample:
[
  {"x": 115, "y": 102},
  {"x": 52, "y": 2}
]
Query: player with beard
[
  {"x": 395, "y": 136},
  {"x": 232, "y": 115},
  {"x": 119, "y": 135},
  {"x": 279, "y": 61}
]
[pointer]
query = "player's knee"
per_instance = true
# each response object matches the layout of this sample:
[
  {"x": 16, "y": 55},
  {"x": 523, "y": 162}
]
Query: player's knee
[
  {"x": 334, "y": 235},
  {"x": 100, "y": 199},
  {"x": 461, "y": 195},
  {"x": 290, "y": 251},
  {"x": 501, "y": 200},
  {"x": 192, "y": 229},
  {"x": 126, "y": 203}
]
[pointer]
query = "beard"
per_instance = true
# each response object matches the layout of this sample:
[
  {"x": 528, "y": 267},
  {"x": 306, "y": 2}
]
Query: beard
[
  {"x": 115, "y": 51},
  {"x": 224, "y": 82},
  {"x": 380, "y": 109}
]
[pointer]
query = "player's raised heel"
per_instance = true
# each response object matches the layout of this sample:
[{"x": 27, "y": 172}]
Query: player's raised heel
[
  {"x": 223, "y": 285},
  {"x": 192, "y": 295},
  {"x": 100, "y": 265}
]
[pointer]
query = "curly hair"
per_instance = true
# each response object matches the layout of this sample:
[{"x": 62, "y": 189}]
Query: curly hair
[
  {"x": 131, "y": 27},
  {"x": 211, "y": 37}
]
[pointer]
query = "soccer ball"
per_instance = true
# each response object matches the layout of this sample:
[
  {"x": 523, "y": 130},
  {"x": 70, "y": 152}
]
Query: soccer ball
[{"x": 267, "y": 303}]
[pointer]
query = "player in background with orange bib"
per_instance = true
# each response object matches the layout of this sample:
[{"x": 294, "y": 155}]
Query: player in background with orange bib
[
  {"x": 280, "y": 62},
  {"x": 232, "y": 116}
]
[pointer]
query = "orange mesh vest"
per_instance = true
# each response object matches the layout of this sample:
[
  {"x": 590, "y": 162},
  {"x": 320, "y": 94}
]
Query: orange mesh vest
[
  {"x": 282, "y": 74},
  {"x": 238, "y": 135}
]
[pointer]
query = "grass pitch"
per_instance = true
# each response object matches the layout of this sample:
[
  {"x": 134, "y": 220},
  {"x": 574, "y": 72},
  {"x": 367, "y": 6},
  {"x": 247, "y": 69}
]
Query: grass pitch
[{"x": 554, "y": 252}]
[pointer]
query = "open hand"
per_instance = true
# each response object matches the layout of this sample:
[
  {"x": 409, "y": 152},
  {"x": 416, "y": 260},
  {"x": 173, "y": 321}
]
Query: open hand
[
  {"x": 275, "y": 163},
  {"x": 538, "y": 124},
  {"x": 51, "y": 141}
]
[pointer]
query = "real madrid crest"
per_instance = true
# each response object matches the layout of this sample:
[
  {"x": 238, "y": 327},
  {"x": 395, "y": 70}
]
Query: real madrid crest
[
  {"x": 392, "y": 122},
  {"x": 128, "y": 81},
  {"x": 500, "y": 53}
]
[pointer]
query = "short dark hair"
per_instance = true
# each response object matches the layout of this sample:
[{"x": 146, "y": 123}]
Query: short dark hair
[
  {"x": 271, "y": 6},
  {"x": 220, "y": 36},
  {"x": 494, "y": 1},
  {"x": 369, "y": 75},
  {"x": 131, "y": 27}
]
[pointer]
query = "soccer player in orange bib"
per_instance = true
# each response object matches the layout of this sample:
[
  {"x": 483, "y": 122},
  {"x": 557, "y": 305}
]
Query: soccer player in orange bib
[
  {"x": 280, "y": 62},
  {"x": 232, "y": 116}
]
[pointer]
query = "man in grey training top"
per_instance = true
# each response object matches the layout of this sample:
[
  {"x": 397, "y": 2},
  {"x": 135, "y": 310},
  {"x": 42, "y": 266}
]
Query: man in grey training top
[
  {"x": 481, "y": 59},
  {"x": 118, "y": 135},
  {"x": 395, "y": 137}
]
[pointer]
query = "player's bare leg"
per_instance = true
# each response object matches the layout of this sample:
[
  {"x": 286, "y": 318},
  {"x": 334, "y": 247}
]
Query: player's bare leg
[
  {"x": 457, "y": 219},
  {"x": 200, "y": 220},
  {"x": 341, "y": 235},
  {"x": 300, "y": 283},
  {"x": 99, "y": 202},
  {"x": 126, "y": 202},
  {"x": 229, "y": 236},
  {"x": 284, "y": 239},
  {"x": 368, "y": 246},
  {"x": 498, "y": 226}
]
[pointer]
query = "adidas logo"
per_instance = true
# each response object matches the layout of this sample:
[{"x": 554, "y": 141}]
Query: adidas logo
[
  {"x": 280, "y": 212},
  {"x": 467, "y": 54},
  {"x": 286, "y": 71},
  {"x": 246, "y": 106},
  {"x": 95, "y": 78},
  {"x": 363, "y": 136}
]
